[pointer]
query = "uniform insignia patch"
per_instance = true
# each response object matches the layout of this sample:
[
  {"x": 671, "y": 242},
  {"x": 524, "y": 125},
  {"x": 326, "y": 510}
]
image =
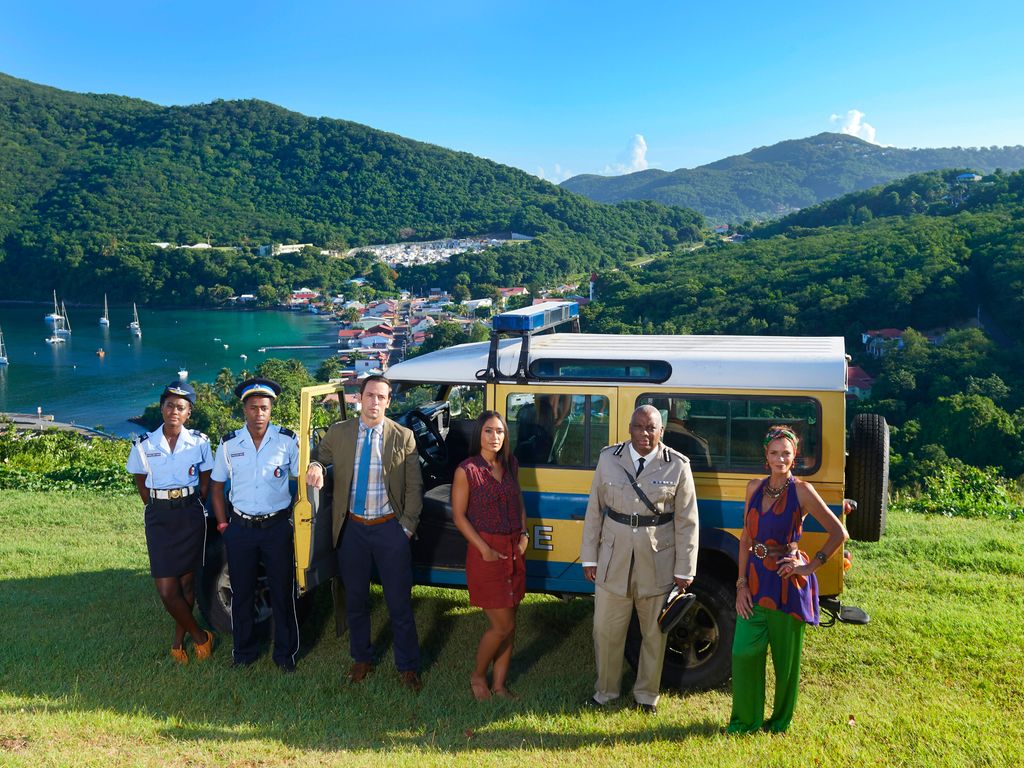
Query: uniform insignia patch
[{"x": 278, "y": 472}]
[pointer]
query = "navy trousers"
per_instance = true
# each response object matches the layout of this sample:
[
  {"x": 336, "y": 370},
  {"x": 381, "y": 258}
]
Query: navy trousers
[
  {"x": 387, "y": 547},
  {"x": 247, "y": 548}
]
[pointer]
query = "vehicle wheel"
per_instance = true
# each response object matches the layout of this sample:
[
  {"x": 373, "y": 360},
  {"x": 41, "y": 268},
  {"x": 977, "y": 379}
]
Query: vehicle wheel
[
  {"x": 698, "y": 654},
  {"x": 867, "y": 476},
  {"x": 214, "y": 592}
]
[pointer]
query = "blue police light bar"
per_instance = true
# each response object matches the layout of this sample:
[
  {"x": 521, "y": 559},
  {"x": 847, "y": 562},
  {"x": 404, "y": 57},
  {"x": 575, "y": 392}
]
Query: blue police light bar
[{"x": 535, "y": 318}]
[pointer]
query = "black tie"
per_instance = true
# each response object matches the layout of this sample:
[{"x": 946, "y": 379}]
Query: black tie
[{"x": 640, "y": 466}]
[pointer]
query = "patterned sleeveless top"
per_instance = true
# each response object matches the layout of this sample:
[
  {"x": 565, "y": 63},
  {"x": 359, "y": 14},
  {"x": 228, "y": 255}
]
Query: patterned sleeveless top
[
  {"x": 493, "y": 505},
  {"x": 782, "y": 524}
]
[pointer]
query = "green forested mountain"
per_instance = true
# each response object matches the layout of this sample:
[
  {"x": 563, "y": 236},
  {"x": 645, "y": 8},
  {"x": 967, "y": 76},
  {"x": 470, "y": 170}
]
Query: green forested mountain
[
  {"x": 926, "y": 254},
  {"x": 771, "y": 181},
  {"x": 87, "y": 181}
]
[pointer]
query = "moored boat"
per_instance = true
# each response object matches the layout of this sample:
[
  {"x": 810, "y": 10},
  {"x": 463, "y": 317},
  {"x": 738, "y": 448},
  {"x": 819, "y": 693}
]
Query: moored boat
[
  {"x": 134, "y": 326},
  {"x": 105, "y": 320}
]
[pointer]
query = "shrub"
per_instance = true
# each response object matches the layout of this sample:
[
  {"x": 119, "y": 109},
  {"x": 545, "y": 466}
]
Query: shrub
[{"x": 960, "y": 490}]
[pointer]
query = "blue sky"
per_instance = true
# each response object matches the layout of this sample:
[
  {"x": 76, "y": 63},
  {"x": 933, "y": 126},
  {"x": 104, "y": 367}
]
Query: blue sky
[{"x": 557, "y": 87}]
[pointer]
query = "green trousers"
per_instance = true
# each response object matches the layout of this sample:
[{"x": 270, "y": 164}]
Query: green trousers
[{"x": 785, "y": 635}]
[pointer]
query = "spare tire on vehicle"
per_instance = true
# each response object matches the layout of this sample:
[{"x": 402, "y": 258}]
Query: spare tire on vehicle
[{"x": 867, "y": 476}]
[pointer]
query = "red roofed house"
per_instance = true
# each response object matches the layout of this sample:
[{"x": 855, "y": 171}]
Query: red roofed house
[
  {"x": 858, "y": 383},
  {"x": 508, "y": 293},
  {"x": 878, "y": 342}
]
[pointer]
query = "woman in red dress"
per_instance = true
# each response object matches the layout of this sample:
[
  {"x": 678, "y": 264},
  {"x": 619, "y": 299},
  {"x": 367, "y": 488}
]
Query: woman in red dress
[{"x": 488, "y": 509}]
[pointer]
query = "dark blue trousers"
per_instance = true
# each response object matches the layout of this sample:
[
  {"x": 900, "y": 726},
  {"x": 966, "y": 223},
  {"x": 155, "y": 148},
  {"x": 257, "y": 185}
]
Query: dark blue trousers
[
  {"x": 247, "y": 548},
  {"x": 387, "y": 547}
]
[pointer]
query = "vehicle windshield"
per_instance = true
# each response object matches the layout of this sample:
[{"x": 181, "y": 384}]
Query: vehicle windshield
[{"x": 464, "y": 400}]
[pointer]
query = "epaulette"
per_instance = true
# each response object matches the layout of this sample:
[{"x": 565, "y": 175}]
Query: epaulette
[
  {"x": 139, "y": 439},
  {"x": 618, "y": 449},
  {"x": 286, "y": 432},
  {"x": 668, "y": 453},
  {"x": 200, "y": 435},
  {"x": 229, "y": 436}
]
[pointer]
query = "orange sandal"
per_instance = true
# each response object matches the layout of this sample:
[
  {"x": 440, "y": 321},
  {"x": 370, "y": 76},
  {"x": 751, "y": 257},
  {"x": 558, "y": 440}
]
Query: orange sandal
[
  {"x": 179, "y": 655},
  {"x": 205, "y": 650}
]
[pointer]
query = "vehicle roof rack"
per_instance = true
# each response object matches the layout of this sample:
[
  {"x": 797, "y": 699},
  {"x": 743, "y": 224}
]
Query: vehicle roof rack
[{"x": 525, "y": 323}]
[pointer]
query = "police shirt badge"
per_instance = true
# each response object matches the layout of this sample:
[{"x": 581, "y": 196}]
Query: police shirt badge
[
  {"x": 192, "y": 470},
  {"x": 278, "y": 472}
]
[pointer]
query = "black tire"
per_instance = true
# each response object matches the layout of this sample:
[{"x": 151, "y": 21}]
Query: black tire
[
  {"x": 214, "y": 594},
  {"x": 698, "y": 655},
  {"x": 867, "y": 476}
]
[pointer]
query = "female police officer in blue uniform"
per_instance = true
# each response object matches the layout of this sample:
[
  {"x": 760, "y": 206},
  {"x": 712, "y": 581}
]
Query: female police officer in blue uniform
[
  {"x": 259, "y": 459},
  {"x": 172, "y": 472}
]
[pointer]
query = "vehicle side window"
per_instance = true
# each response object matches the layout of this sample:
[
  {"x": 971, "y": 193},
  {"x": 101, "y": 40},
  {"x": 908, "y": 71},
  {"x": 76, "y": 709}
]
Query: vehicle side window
[
  {"x": 557, "y": 430},
  {"x": 725, "y": 433}
]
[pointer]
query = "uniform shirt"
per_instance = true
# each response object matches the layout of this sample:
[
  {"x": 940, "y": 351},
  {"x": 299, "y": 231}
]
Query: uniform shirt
[
  {"x": 152, "y": 456},
  {"x": 377, "y": 503},
  {"x": 634, "y": 455},
  {"x": 259, "y": 478}
]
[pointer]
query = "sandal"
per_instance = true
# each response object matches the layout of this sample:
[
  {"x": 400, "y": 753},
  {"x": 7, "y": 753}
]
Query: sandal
[
  {"x": 204, "y": 650},
  {"x": 480, "y": 690},
  {"x": 179, "y": 655}
]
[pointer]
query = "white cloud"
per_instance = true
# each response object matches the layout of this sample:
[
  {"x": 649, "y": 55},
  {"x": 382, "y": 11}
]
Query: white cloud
[
  {"x": 632, "y": 159},
  {"x": 853, "y": 125},
  {"x": 557, "y": 175}
]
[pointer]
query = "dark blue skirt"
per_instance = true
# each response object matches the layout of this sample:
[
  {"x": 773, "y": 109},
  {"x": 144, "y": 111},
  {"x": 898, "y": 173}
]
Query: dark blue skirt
[{"x": 175, "y": 537}]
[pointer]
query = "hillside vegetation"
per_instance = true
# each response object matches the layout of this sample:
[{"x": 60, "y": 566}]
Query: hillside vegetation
[
  {"x": 771, "y": 181},
  {"x": 90, "y": 180}
]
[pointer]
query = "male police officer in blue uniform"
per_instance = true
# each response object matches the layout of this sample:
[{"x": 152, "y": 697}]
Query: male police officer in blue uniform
[{"x": 258, "y": 460}]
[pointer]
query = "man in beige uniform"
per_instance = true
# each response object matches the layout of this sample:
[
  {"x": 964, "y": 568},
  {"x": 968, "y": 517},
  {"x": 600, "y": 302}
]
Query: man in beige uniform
[{"x": 633, "y": 555}]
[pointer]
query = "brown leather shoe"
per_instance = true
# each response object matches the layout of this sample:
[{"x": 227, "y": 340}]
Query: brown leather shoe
[
  {"x": 411, "y": 680},
  {"x": 359, "y": 671}
]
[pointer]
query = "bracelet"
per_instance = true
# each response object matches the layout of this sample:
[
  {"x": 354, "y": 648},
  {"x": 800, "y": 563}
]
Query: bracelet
[
  {"x": 741, "y": 583},
  {"x": 524, "y": 533},
  {"x": 221, "y": 527}
]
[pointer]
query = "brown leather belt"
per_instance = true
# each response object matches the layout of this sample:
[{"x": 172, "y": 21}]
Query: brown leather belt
[
  {"x": 372, "y": 520},
  {"x": 761, "y": 551}
]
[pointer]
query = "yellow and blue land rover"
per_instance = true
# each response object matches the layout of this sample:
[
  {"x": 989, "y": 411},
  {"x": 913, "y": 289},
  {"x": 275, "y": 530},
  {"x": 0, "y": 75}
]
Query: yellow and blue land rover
[{"x": 565, "y": 396}]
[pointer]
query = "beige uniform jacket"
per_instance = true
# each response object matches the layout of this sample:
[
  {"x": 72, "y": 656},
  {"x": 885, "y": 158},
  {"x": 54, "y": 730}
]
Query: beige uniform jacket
[
  {"x": 658, "y": 551},
  {"x": 402, "y": 477}
]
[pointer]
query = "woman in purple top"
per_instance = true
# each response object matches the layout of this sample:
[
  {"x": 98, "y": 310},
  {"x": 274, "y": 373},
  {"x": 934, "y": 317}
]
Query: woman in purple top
[
  {"x": 777, "y": 591},
  {"x": 488, "y": 510}
]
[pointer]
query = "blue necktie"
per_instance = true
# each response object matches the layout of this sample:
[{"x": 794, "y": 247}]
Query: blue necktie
[{"x": 363, "y": 477}]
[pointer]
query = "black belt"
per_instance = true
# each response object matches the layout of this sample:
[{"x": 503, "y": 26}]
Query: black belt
[
  {"x": 639, "y": 521},
  {"x": 258, "y": 521}
]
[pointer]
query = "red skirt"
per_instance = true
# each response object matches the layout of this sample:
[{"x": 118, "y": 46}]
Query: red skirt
[{"x": 499, "y": 584}]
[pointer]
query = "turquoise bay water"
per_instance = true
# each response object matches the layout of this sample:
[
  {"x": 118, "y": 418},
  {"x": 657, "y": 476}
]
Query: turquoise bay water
[{"x": 71, "y": 382}]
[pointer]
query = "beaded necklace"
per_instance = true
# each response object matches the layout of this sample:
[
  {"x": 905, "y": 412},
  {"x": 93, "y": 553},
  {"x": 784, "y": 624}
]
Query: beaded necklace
[{"x": 774, "y": 493}]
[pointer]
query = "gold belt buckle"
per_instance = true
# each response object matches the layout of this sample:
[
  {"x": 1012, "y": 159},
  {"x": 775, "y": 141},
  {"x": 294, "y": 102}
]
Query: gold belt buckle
[{"x": 174, "y": 493}]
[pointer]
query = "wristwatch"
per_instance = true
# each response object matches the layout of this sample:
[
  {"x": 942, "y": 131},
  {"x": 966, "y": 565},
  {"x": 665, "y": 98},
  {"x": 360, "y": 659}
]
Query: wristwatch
[{"x": 821, "y": 557}]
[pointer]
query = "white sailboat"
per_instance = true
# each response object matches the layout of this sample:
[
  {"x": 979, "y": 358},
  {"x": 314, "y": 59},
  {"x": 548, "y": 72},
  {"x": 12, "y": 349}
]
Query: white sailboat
[
  {"x": 63, "y": 328},
  {"x": 134, "y": 326},
  {"x": 3, "y": 349},
  {"x": 105, "y": 320},
  {"x": 54, "y": 317},
  {"x": 55, "y": 338}
]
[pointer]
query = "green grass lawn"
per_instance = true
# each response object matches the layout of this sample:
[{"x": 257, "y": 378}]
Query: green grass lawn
[{"x": 934, "y": 680}]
